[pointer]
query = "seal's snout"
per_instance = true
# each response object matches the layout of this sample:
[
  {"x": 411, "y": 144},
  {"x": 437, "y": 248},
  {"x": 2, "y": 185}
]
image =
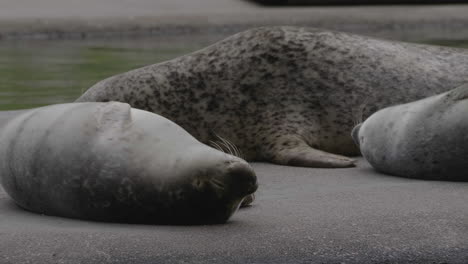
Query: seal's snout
[
  {"x": 355, "y": 134},
  {"x": 243, "y": 178}
]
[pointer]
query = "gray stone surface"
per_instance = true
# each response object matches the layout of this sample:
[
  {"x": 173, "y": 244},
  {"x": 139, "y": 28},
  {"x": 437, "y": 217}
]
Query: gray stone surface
[
  {"x": 56, "y": 19},
  {"x": 301, "y": 215}
]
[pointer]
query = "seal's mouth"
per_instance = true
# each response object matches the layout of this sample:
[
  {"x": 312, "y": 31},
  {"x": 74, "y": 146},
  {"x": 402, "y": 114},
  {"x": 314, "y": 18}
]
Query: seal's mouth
[{"x": 355, "y": 134}]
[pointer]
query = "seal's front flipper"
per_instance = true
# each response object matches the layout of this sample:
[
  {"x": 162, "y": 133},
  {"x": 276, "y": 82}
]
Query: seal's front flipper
[{"x": 302, "y": 155}]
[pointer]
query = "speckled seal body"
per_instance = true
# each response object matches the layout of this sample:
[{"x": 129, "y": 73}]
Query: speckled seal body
[
  {"x": 110, "y": 162},
  {"x": 425, "y": 139},
  {"x": 286, "y": 95}
]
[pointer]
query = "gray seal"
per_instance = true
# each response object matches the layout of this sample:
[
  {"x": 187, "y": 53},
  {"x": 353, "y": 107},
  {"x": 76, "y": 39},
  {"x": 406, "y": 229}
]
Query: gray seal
[
  {"x": 110, "y": 162},
  {"x": 286, "y": 95},
  {"x": 425, "y": 139}
]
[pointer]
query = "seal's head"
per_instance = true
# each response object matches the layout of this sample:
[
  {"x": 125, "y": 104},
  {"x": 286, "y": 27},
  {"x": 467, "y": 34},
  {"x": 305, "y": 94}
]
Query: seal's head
[
  {"x": 182, "y": 181},
  {"x": 217, "y": 188}
]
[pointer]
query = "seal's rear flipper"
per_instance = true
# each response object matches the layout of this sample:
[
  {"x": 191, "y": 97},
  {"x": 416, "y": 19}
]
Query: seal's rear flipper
[{"x": 298, "y": 153}]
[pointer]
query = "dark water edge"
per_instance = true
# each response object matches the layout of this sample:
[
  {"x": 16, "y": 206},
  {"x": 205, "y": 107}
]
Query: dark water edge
[{"x": 37, "y": 73}]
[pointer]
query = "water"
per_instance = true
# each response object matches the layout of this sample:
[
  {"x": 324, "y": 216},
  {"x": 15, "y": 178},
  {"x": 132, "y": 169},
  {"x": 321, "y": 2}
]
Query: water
[{"x": 37, "y": 73}]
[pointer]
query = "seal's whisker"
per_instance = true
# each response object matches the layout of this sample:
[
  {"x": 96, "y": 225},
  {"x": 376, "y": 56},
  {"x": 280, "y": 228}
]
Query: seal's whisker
[
  {"x": 229, "y": 145},
  {"x": 216, "y": 146},
  {"x": 241, "y": 154},
  {"x": 234, "y": 147},
  {"x": 236, "y": 150},
  {"x": 230, "y": 151},
  {"x": 223, "y": 141},
  {"x": 213, "y": 144},
  {"x": 226, "y": 148}
]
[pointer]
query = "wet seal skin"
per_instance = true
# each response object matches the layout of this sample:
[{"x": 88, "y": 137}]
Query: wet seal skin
[
  {"x": 111, "y": 162},
  {"x": 425, "y": 139},
  {"x": 286, "y": 95}
]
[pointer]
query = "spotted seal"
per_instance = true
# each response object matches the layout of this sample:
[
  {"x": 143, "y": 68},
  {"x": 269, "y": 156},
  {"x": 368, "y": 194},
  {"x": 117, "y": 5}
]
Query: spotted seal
[
  {"x": 424, "y": 139},
  {"x": 110, "y": 162},
  {"x": 286, "y": 95}
]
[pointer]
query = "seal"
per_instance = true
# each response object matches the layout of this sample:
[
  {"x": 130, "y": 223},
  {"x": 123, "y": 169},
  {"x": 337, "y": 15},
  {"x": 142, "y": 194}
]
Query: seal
[
  {"x": 110, "y": 162},
  {"x": 425, "y": 139},
  {"x": 286, "y": 95}
]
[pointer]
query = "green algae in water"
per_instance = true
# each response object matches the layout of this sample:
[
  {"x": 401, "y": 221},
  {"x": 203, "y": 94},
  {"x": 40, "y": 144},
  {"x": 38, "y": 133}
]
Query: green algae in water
[{"x": 37, "y": 73}]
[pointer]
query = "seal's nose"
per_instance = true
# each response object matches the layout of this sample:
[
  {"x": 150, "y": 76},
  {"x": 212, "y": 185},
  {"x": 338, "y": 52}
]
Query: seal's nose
[
  {"x": 355, "y": 134},
  {"x": 243, "y": 178}
]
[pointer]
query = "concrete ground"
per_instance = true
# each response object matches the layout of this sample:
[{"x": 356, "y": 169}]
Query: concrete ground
[{"x": 57, "y": 19}]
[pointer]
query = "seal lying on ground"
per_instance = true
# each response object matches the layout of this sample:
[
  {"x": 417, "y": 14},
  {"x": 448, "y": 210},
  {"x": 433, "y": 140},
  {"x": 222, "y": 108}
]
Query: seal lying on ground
[
  {"x": 286, "y": 95},
  {"x": 110, "y": 162},
  {"x": 426, "y": 139}
]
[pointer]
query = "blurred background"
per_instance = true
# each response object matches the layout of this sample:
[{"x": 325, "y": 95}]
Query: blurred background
[{"x": 53, "y": 50}]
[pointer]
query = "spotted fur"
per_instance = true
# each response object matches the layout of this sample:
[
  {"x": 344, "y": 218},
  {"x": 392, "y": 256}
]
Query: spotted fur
[{"x": 284, "y": 94}]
